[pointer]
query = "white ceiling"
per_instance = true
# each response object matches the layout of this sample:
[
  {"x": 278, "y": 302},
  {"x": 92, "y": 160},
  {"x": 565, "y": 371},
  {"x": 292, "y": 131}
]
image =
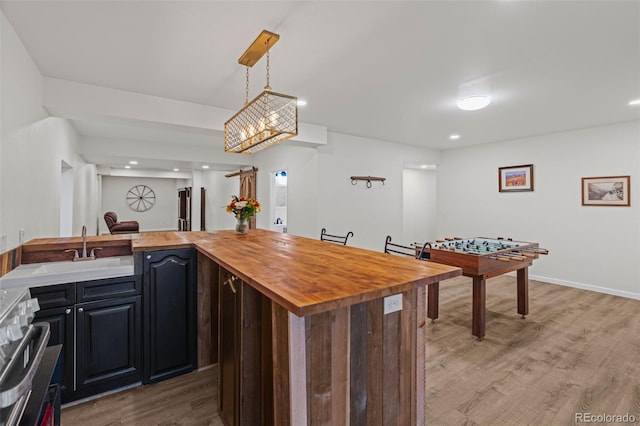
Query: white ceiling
[{"x": 389, "y": 70}]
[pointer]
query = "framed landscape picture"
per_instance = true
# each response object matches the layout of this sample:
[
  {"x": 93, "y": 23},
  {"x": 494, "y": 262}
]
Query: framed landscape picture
[
  {"x": 606, "y": 191},
  {"x": 515, "y": 178}
]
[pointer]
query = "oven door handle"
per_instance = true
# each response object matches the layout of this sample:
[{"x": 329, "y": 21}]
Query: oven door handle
[{"x": 22, "y": 385}]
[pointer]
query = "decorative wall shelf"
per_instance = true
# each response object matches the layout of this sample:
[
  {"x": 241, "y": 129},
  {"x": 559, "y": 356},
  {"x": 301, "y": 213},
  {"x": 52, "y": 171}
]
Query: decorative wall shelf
[{"x": 368, "y": 179}]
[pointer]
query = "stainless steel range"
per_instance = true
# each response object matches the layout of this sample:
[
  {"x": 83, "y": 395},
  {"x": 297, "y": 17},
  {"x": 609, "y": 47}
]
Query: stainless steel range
[{"x": 22, "y": 345}]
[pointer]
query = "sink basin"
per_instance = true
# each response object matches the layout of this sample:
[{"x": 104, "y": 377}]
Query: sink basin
[{"x": 49, "y": 273}]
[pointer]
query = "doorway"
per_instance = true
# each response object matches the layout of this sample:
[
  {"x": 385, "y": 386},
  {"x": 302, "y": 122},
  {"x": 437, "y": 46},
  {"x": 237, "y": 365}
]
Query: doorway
[{"x": 279, "y": 200}]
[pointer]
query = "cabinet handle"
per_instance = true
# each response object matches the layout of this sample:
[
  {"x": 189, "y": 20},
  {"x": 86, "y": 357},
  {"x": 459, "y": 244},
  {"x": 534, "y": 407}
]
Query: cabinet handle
[
  {"x": 230, "y": 283},
  {"x": 80, "y": 309},
  {"x": 148, "y": 257},
  {"x": 67, "y": 311}
]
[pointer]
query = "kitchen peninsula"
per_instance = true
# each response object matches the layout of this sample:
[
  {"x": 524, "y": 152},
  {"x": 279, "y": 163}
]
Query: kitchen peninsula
[{"x": 308, "y": 332}]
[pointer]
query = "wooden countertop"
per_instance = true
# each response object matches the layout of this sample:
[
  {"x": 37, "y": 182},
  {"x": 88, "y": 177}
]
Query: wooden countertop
[
  {"x": 309, "y": 276},
  {"x": 149, "y": 241},
  {"x": 63, "y": 241},
  {"x": 303, "y": 275}
]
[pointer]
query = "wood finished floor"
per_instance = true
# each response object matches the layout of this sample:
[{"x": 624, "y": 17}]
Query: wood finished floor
[
  {"x": 190, "y": 399},
  {"x": 577, "y": 352}
]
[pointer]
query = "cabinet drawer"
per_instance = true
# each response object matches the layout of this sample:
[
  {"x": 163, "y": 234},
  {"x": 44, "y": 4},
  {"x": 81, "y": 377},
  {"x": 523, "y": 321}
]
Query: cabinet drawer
[
  {"x": 109, "y": 288},
  {"x": 54, "y": 296}
]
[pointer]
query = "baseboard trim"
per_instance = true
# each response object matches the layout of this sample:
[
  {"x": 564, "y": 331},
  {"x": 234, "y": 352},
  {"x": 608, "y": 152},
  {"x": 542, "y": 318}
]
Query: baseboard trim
[{"x": 589, "y": 287}]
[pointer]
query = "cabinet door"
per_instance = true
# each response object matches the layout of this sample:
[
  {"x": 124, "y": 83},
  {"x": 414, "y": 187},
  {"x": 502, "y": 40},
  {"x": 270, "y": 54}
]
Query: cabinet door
[
  {"x": 109, "y": 352},
  {"x": 170, "y": 328},
  {"x": 61, "y": 328},
  {"x": 245, "y": 392},
  {"x": 227, "y": 359}
]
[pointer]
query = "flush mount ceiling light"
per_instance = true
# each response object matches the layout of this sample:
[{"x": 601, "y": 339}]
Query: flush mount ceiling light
[
  {"x": 454, "y": 137},
  {"x": 268, "y": 119},
  {"x": 634, "y": 102},
  {"x": 473, "y": 103}
]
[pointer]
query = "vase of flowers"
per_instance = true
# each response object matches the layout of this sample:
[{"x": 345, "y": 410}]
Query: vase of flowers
[{"x": 243, "y": 209}]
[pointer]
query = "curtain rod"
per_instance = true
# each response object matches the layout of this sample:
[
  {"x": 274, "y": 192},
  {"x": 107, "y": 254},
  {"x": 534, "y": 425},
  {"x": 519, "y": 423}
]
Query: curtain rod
[{"x": 242, "y": 172}]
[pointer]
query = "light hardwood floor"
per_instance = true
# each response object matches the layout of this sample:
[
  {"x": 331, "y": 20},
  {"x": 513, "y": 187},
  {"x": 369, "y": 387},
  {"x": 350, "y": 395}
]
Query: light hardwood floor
[
  {"x": 190, "y": 399},
  {"x": 576, "y": 352}
]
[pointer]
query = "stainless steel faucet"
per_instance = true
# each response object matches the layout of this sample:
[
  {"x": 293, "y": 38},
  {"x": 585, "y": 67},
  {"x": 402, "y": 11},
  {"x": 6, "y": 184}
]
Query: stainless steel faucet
[
  {"x": 84, "y": 256},
  {"x": 84, "y": 241}
]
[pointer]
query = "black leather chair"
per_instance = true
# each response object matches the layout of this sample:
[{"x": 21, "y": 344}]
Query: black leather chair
[
  {"x": 335, "y": 238},
  {"x": 124, "y": 227}
]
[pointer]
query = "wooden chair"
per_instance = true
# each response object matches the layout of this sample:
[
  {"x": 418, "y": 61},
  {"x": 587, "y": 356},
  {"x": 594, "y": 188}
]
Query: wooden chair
[
  {"x": 335, "y": 238},
  {"x": 393, "y": 248}
]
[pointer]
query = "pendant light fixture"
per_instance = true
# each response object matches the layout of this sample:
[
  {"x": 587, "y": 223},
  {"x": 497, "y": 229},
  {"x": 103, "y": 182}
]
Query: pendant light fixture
[{"x": 268, "y": 119}]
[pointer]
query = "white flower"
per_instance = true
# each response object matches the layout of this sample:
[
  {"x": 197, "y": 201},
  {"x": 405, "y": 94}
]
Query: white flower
[{"x": 241, "y": 204}]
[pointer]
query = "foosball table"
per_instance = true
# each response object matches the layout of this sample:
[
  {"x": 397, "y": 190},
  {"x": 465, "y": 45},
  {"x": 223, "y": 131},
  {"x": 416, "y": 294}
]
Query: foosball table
[{"x": 482, "y": 258}]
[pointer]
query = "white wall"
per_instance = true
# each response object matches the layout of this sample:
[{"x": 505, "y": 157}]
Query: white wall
[
  {"x": 370, "y": 213},
  {"x": 303, "y": 179},
  {"x": 162, "y": 216},
  {"x": 590, "y": 247},
  {"x": 219, "y": 192},
  {"x": 86, "y": 199},
  {"x": 419, "y": 205},
  {"x": 32, "y": 146}
]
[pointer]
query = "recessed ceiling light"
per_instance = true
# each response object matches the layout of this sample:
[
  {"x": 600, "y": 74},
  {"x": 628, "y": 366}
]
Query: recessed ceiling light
[
  {"x": 634, "y": 102},
  {"x": 127, "y": 167},
  {"x": 473, "y": 103},
  {"x": 424, "y": 166},
  {"x": 454, "y": 137},
  {"x": 302, "y": 102},
  {"x": 133, "y": 162},
  {"x": 176, "y": 170},
  {"x": 204, "y": 166}
]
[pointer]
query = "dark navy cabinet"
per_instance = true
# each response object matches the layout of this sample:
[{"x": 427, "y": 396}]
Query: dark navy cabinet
[
  {"x": 99, "y": 324},
  {"x": 170, "y": 328}
]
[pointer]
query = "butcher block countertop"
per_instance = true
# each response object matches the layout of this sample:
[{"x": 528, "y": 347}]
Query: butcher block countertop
[
  {"x": 303, "y": 275},
  {"x": 308, "y": 276}
]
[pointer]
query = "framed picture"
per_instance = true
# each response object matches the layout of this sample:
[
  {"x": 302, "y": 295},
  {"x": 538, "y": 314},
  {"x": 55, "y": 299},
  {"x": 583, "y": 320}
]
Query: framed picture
[
  {"x": 515, "y": 178},
  {"x": 606, "y": 191}
]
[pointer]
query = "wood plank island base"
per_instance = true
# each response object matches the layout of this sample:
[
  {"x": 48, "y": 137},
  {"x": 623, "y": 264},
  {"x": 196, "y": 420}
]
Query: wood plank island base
[{"x": 308, "y": 335}]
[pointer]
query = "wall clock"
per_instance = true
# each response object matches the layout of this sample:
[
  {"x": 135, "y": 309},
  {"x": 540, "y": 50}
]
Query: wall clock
[{"x": 141, "y": 198}]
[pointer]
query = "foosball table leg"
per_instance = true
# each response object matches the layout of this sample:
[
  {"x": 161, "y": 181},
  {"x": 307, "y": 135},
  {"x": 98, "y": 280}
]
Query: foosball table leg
[
  {"x": 479, "y": 307},
  {"x": 523, "y": 291}
]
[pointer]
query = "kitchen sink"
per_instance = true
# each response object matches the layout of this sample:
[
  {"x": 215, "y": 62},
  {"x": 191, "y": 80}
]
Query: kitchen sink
[{"x": 49, "y": 273}]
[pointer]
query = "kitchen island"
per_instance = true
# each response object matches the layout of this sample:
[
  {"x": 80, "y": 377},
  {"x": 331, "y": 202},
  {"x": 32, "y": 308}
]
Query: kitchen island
[
  {"x": 304, "y": 331},
  {"x": 317, "y": 333}
]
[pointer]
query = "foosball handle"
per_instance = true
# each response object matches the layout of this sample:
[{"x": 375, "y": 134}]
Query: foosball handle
[{"x": 502, "y": 259}]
